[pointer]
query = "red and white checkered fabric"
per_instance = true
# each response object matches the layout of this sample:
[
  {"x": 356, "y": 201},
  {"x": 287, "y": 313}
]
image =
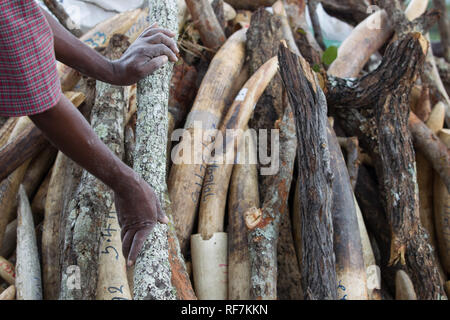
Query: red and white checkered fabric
[{"x": 29, "y": 82}]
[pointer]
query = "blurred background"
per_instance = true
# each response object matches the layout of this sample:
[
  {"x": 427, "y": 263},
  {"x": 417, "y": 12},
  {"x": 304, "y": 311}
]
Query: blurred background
[{"x": 88, "y": 13}]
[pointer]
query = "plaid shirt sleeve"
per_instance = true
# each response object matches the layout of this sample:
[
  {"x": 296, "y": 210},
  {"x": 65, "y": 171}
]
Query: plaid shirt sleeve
[{"x": 29, "y": 82}]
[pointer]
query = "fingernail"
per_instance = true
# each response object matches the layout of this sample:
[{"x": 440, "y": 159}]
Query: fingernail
[{"x": 130, "y": 263}]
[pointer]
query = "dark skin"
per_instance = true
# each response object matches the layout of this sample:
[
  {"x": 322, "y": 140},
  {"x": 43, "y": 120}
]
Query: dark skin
[{"x": 138, "y": 208}]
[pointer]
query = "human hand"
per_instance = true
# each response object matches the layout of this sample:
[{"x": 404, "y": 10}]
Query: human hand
[
  {"x": 151, "y": 50},
  {"x": 138, "y": 212}
]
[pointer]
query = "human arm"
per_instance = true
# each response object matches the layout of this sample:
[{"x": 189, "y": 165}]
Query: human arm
[{"x": 137, "y": 205}]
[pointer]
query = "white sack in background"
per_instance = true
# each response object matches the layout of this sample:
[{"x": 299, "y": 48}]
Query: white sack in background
[
  {"x": 117, "y": 5},
  {"x": 88, "y": 13},
  {"x": 332, "y": 28}
]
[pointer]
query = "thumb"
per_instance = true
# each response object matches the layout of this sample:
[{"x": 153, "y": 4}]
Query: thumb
[
  {"x": 137, "y": 244},
  {"x": 154, "y": 64},
  {"x": 162, "y": 218}
]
